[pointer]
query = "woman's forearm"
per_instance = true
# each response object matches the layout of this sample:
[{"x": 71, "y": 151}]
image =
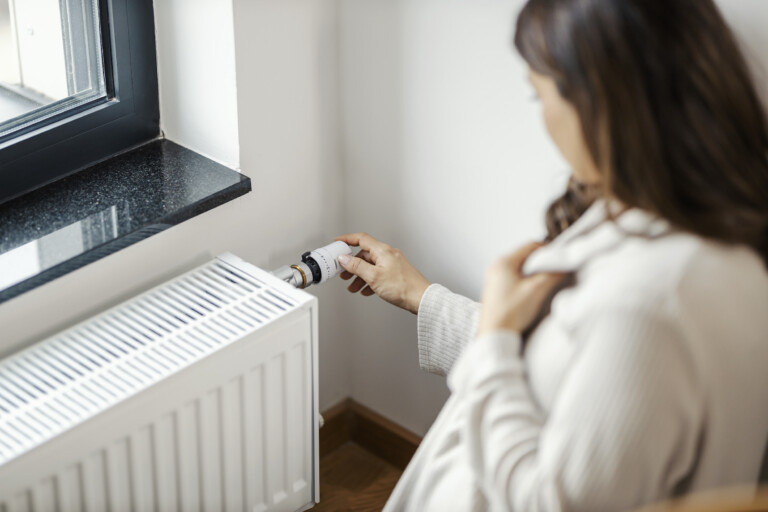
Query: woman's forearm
[{"x": 447, "y": 323}]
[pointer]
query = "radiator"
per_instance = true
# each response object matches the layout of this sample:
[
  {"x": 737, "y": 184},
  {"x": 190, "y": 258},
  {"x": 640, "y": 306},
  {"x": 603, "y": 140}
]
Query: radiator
[{"x": 198, "y": 395}]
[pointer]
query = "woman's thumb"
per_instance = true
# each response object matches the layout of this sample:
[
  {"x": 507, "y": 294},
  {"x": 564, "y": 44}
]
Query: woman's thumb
[{"x": 357, "y": 266}]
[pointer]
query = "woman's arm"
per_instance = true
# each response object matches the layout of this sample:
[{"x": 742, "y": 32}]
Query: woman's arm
[
  {"x": 447, "y": 323},
  {"x": 623, "y": 431}
]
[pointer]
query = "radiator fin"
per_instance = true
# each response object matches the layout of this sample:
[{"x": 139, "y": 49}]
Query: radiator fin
[
  {"x": 63, "y": 381},
  {"x": 196, "y": 458},
  {"x": 244, "y": 444}
]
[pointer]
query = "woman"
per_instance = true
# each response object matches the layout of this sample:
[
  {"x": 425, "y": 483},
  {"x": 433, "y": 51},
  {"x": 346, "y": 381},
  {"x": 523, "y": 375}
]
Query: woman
[{"x": 623, "y": 361}]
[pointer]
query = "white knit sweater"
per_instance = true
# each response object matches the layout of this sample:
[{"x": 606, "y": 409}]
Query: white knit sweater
[{"x": 649, "y": 379}]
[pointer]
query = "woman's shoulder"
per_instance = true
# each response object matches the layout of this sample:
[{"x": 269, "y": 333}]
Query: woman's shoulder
[
  {"x": 710, "y": 297},
  {"x": 680, "y": 271}
]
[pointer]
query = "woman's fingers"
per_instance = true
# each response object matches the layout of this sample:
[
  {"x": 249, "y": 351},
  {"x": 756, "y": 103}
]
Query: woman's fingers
[
  {"x": 511, "y": 301},
  {"x": 362, "y": 255},
  {"x": 547, "y": 281},
  {"x": 365, "y": 255},
  {"x": 358, "y": 267},
  {"x": 367, "y": 292},
  {"x": 518, "y": 257},
  {"x": 357, "y": 285},
  {"x": 365, "y": 242},
  {"x": 352, "y": 239},
  {"x": 541, "y": 285}
]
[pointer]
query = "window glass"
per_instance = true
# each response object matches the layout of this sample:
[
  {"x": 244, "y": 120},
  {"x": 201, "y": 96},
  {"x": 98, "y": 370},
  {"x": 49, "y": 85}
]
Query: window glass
[{"x": 50, "y": 60}]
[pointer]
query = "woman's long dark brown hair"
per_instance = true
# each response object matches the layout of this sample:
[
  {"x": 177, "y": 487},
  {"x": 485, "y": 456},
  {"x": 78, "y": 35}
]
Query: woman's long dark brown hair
[{"x": 668, "y": 109}]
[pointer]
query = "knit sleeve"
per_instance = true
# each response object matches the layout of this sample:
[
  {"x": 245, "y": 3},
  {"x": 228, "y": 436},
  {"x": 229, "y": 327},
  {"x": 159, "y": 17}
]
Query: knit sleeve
[
  {"x": 623, "y": 430},
  {"x": 446, "y": 323}
]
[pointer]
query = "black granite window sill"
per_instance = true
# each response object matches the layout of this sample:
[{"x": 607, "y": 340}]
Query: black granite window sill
[{"x": 107, "y": 207}]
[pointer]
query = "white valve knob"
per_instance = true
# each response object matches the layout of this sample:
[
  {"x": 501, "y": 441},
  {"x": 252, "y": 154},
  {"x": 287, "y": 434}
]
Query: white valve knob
[
  {"x": 316, "y": 266},
  {"x": 327, "y": 259}
]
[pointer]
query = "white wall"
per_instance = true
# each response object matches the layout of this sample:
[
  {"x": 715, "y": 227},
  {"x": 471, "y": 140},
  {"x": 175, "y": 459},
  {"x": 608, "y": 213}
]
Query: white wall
[
  {"x": 749, "y": 19},
  {"x": 196, "y": 74}
]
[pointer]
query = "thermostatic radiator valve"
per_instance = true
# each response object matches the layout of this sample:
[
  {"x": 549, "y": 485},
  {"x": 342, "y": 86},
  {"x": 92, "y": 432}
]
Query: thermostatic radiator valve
[{"x": 316, "y": 266}]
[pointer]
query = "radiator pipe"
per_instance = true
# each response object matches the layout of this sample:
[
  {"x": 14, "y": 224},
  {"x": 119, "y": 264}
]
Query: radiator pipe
[{"x": 315, "y": 267}]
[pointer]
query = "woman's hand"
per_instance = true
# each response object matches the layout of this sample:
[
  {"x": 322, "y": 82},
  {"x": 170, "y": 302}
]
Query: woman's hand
[
  {"x": 383, "y": 271},
  {"x": 511, "y": 301}
]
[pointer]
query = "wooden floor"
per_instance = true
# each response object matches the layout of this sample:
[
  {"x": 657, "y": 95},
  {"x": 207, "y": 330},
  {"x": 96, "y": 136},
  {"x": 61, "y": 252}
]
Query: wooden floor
[{"x": 354, "y": 479}]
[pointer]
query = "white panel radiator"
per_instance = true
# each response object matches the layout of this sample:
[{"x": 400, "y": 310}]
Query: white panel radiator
[{"x": 200, "y": 394}]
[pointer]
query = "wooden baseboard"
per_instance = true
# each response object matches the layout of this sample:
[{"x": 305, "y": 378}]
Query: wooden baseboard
[
  {"x": 351, "y": 421},
  {"x": 337, "y": 427}
]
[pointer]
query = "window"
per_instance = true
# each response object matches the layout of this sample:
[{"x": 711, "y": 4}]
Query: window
[
  {"x": 78, "y": 83},
  {"x": 51, "y": 61}
]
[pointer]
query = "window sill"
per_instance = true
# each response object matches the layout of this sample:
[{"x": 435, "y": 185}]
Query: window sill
[{"x": 66, "y": 225}]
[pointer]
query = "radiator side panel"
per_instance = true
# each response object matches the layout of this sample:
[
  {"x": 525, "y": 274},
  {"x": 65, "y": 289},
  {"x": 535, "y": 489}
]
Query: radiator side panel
[{"x": 241, "y": 443}]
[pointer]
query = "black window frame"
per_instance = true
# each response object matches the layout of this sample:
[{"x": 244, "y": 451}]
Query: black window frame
[{"x": 127, "y": 117}]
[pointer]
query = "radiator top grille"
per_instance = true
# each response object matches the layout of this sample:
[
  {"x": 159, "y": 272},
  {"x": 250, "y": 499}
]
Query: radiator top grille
[{"x": 64, "y": 380}]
